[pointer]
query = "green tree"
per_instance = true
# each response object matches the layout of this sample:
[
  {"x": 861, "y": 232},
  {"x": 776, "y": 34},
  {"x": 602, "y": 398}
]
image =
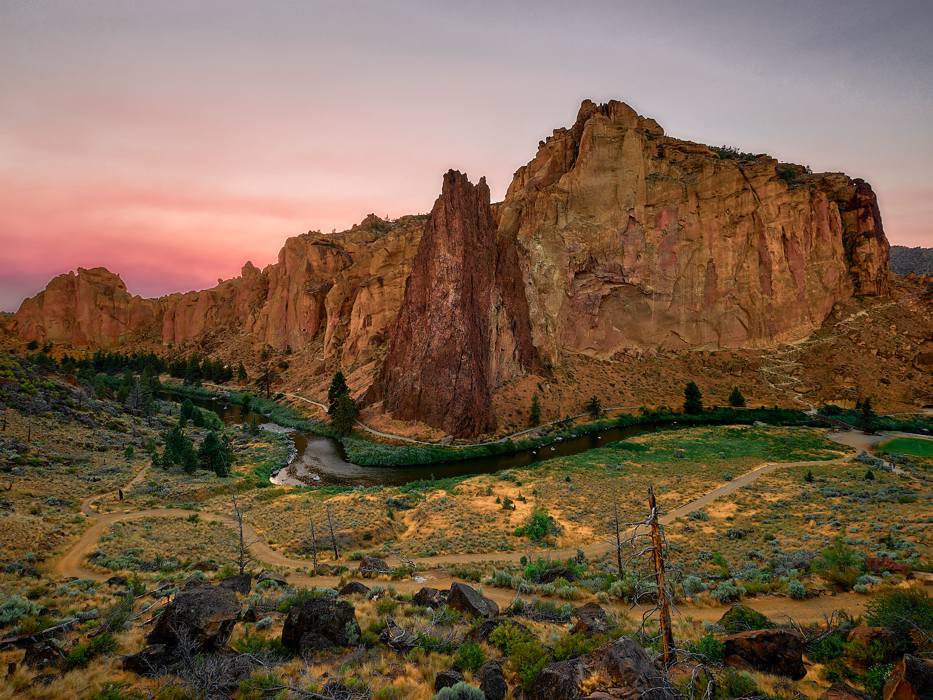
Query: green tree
[
  {"x": 693, "y": 399},
  {"x": 594, "y": 407},
  {"x": 241, "y": 374},
  {"x": 736, "y": 400},
  {"x": 867, "y": 415},
  {"x": 338, "y": 388},
  {"x": 187, "y": 411},
  {"x": 344, "y": 414},
  {"x": 214, "y": 454},
  {"x": 534, "y": 417},
  {"x": 193, "y": 371}
]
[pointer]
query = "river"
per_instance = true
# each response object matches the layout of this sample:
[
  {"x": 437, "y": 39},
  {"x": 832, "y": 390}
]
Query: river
[{"x": 319, "y": 460}]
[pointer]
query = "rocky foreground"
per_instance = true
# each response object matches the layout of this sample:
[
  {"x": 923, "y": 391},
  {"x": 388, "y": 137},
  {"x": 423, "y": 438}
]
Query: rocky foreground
[{"x": 614, "y": 239}]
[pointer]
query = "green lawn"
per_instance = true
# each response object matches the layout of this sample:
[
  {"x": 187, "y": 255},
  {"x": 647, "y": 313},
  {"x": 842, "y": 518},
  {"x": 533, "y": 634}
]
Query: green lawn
[{"x": 909, "y": 446}]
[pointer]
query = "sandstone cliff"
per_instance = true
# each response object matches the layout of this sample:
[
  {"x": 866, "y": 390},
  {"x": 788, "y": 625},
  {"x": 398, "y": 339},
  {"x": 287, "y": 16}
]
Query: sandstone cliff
[
  {"x": 632, "y": 239},
  {"x": 613, "y": 238},
  {"x": 463, "y": 326}
]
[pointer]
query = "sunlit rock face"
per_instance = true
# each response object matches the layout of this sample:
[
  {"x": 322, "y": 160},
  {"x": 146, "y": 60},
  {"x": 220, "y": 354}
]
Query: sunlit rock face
[
  {"x": 614, "y": 237},
  {"x": 629, "y": 238}
]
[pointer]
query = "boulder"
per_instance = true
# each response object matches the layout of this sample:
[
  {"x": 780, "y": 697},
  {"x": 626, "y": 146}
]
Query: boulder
[
  {"x": 373, "y": 566},
  {"x": 911, "y": 679},
  {"x": 467, "y": 599},
  {"x": 429, "y": 597},
  {"x": 492, "y": 681},
  {"x": 446, "y": 679},
  {"x": 240, "y": 583},
  {"x": 354, "y": 588},
  {"x": 120, "y": 581},
  {"x": 878, "y": 565},
  {"x": 555, "y": 572},
  {"x": 621, "y": 669},
  {"x": 397, "y": 637},
  {"x": 205, "y": 615},
  {"x": 42, "y": 654},
  {"x": 591, "y": 620},
  {"x": 267, "y": 575},
  {"x": 320, "y": 623},
  {"x": 777, "y": 651}
]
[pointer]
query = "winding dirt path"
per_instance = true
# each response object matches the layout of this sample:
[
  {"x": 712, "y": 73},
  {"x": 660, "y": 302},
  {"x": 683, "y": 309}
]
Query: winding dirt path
[{"x": 72, "y": 562}]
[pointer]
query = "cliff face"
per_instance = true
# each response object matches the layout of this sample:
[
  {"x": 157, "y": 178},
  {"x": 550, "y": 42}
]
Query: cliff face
[
  {"x": 613, "y": 237},
  {"x": 632, "y": 239},
  {"x": 463, "y": 324}
]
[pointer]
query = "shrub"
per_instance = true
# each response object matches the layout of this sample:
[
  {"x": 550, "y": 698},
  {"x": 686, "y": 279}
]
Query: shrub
[
  {"x": 115, "y": 691},
  {"x": 693, "y": 585},
  {"x": 81, "y": 654},
  {"x": 875, "y": 678},
  {"x": 741, "y": 618},
  {"x": 261, "y": 646},
  {"x": 796, "y": 589},
  {"x": 827, "y": 648},
  {"x": 469, "y": 657},
  {"x": 538, "y": 526},
  {"x": 728, "y": 592},
  {"x": 907, "y": 613},
  {"x": 259, "y": 687},
  {"x": 460, "y": 691},
  {"x": 840, "y": 564},
  {"x": 707, "y": 648},
  {"x": 570, "y": 646},
  {"x": 737, "y": 684},
  {"x": 15, "y": 607}
]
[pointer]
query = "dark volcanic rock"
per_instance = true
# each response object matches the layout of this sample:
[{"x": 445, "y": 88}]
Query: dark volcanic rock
[
  {"x": 42, "y": 654},
  {"x": 320, "y": 623},
  {"x": 397, "y": 637},
  {"x": 492, "y": 681},
  {"x": 911, "y": 679},
  {"x": 777, "y": 651},
  {"x": 625, "y": 668},
  {"x": 591, "y": 620},
  {"x": 373, "y": 566},
  {"x": 267, "y": 575},
  {"x": 354, "y": 588},
  {"x": 447, "y": 678},
  {"x": 463, "y": 326},
  {"x": 206, "y": 615},
  {"x": 241, "y": 583},
  {"x": 466, "y": 599},
  {"x": 430, "y": 597},
  {"x": 151, "y": 660}
]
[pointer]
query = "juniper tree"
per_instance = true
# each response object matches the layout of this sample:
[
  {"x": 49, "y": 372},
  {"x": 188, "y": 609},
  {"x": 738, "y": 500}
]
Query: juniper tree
[
  {"x": 534, "y": 417},
  {"x": 736, "y": 400},
  {"x": 693, "y": 399}
]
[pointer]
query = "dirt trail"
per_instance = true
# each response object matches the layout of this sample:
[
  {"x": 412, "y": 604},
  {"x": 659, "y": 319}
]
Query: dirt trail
[{"x": 72, "y": 562}]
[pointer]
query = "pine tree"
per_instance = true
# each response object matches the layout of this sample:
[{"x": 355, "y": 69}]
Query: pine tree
[
  {"x": 187, "y": 411},
  {"x": 241, "y": 374},
  {"x": 338, "y": 388},
  {"x": 594, "y": 407},
  {"x": 214, "y": 454},
  {"x": 534, "y": 417},
  {"x": 693, "y": 399},
  {"x": 736, "y": 400},
  {"x": 866, "y": 415},
  {"x": 344, "y": 414}
]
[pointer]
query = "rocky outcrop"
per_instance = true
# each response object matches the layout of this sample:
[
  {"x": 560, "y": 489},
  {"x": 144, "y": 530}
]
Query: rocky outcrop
[
  {"x": 777, "y": 651},
  {"x": 320, "y": 623},
  {"x": 467, "y": 599},
  {"x": 204, "y": 616},
  {"x": 621, "y": 669},
  {"x": 632, "y": 239},
  {"x": 492, "y": 681},
  {"x": 614, "y": 238},
  {"x": 463, "y": 326},
  {"x": 910, "y": 679}
]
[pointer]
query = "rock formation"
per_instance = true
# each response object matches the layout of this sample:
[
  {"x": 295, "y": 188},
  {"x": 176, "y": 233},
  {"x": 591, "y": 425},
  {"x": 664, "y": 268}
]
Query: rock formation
[
  {"x": 463, "y": 326},
  {"x": 613, "y": 238}
]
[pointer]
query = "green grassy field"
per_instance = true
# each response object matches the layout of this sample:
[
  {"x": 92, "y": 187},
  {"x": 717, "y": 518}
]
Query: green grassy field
[{"x": 909, "y": 446}]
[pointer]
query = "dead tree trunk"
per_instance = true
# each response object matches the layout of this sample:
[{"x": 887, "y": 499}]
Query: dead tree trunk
[
  {"x": 242, "y": 557},
  {"x": 617, "y": 527},
  {"x": 664, "y": 605},
  {"x": 313, "y": 547},
  {"x": 333, "y": 538}
]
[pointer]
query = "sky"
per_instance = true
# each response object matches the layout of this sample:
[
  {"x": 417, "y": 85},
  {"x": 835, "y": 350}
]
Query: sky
[{"x": 172, "y": 141}]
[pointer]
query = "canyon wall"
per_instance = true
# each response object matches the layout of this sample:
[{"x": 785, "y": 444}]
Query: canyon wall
[{"x": 614, "y": 237}]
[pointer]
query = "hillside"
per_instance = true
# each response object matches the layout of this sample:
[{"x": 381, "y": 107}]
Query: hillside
[{"x": 917, "y": 261}]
